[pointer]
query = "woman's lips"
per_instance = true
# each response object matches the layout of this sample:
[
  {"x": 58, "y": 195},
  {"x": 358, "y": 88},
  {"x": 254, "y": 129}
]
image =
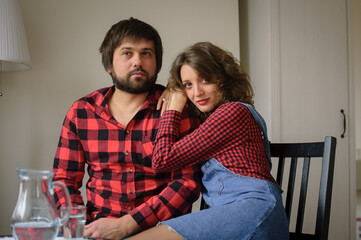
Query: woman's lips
[{"x": 203, "y": 101}]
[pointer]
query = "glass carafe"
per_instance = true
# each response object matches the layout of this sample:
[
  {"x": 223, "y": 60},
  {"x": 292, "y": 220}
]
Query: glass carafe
[{"x": 35, "y": 215}]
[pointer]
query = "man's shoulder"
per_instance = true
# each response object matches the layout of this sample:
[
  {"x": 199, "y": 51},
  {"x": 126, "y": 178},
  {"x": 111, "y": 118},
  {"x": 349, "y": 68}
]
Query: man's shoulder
[
  {"x": 92, "y": 100},
  {"x": 97, "y": 93},
  {"x": 155, "y": 93},
  {"x": 96, "y": 97},
  {"x": 158, "y": 88}
]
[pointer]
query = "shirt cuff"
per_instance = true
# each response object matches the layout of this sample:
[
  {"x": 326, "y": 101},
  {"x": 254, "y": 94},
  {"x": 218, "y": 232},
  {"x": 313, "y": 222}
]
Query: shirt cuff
[
  {"x": 170, "y": 122},
  {"x": 144, "y": 217}
]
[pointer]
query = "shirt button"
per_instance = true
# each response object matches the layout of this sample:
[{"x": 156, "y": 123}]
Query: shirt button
[
  {"x": 130, "y": 170},
  {"x": 126, "y": 153},
  {"x": 127, "y": 132},
  {"x": 130, "y": 191},
  {"x": 130, "y": 208}
]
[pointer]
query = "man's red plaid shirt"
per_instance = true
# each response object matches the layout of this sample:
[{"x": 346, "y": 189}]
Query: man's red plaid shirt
[{"x": 121, "y": 178}]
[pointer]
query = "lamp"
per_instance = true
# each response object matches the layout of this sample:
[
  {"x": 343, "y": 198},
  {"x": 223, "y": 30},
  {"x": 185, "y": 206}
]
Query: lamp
[{"x": 14, "y": 53}]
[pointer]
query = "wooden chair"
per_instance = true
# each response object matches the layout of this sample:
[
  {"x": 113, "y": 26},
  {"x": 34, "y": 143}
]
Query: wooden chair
[{"x": 294, "y": 152}]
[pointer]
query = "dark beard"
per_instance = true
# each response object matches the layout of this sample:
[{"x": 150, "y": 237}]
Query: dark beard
[{"x": 137, "y": 86}]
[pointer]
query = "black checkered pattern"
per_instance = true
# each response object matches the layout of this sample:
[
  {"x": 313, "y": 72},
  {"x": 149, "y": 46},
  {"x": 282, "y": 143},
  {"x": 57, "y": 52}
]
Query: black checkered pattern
[{"x": 230, "y": 135}]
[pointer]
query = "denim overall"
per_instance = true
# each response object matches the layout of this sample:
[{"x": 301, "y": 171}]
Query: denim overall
[{"x": 240, "y": 207}]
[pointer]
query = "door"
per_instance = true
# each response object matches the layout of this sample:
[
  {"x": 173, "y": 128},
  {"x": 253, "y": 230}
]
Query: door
[
  {"x": 307, "y": 73},
  {"x": 314, "y": 90}
]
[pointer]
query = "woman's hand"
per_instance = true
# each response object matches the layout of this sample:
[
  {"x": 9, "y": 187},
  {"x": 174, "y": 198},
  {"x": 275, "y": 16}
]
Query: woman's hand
[
  {"x": 172, "y": 100},
  {"x": 162, "y": 101}
]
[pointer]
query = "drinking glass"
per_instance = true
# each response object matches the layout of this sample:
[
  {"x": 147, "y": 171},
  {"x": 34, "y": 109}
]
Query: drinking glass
[{"x": 74, "y": 227}]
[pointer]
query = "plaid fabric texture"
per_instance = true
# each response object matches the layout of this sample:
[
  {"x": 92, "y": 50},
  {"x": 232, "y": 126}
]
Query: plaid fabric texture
[
  {"x": 118, "y": 160},
  {"x": 230, "y": 135}
]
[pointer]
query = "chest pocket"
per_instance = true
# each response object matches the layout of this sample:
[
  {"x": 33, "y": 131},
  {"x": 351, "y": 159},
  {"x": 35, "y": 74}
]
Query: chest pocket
[{"x": 148, "y": 142}]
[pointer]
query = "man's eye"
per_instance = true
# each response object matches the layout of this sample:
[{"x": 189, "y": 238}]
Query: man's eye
[{"x": 147, "y": 53}]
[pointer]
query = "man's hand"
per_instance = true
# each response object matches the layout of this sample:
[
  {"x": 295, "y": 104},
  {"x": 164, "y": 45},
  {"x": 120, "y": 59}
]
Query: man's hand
[{"x": 112, "y": 228}]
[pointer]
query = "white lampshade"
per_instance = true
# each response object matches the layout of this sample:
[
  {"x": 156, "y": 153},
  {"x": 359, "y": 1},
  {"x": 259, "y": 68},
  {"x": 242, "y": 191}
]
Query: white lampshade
[{"x": 14, "y": 53}]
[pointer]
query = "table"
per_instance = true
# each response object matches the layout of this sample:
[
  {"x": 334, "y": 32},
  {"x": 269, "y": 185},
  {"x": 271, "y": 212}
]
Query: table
[
  {"x": 58, "y": 238},
  {"x": 11, "y": 238}
]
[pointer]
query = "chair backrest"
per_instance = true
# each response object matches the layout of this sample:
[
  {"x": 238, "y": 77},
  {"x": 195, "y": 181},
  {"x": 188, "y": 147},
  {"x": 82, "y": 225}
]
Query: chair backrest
[{"x": 293, "y": 152}]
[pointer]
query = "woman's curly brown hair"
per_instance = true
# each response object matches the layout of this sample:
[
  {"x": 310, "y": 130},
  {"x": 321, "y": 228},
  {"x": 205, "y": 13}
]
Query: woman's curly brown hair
[{"x": 210, "y": 60}]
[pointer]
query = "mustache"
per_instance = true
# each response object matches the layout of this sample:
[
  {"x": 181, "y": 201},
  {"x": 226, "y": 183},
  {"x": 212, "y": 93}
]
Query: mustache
[{"x": 137, "y": 69}]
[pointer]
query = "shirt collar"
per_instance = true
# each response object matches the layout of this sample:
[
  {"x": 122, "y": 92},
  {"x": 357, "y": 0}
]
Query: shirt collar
[{"x": 150, "y": 102}]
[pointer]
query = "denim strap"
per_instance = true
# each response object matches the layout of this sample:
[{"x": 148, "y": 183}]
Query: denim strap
[{"x": 262, "y": 124}]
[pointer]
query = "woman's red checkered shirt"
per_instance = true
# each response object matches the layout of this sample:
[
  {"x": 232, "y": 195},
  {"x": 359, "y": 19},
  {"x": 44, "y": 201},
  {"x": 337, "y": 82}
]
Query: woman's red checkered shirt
[
  {"x": 230, "y": 135},
  {"x": 121, "y": 178}
]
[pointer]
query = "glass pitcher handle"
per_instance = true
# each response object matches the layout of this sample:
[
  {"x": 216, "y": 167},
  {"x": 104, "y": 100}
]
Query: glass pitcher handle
[{"x": 64, "y": 219}]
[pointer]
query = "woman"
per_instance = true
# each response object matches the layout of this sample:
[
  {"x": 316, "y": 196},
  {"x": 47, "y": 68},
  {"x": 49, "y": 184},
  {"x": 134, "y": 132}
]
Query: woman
[{"x": 231, "y": 145}]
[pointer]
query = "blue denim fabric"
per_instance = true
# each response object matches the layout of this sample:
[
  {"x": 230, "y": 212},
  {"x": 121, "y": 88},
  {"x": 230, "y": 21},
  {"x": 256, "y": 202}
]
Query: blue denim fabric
[
  {"x": 239, "y": 208},
  {"x": 262, "y": 124}
]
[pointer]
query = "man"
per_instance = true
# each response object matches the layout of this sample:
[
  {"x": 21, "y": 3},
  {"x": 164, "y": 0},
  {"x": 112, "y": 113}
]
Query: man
[{"x": 112, "y": 131}]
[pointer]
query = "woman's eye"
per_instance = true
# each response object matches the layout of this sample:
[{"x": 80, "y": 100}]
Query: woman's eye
[{"x": 187, "y": 85}]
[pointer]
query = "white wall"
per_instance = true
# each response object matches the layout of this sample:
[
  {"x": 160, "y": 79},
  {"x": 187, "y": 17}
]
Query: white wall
[
  {"x": 356, "y": 41},
  {"x": 255, "y": 38},
  {"x": 357, "y": 72},
  {"x": 63, "y": 38}
]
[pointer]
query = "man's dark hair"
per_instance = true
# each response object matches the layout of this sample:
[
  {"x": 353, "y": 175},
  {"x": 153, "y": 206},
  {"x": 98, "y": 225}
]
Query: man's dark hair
[{"x": 132, "y": 29}]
